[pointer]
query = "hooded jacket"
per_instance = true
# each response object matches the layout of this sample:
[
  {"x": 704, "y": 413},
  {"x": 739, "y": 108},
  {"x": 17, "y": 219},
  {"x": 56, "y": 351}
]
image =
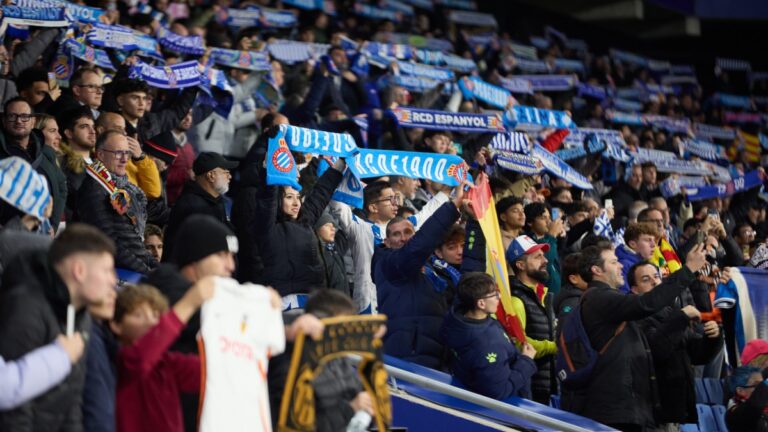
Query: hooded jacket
[
  {"x": 33, "y": 312},
  {"x": 484, "y": 359},
  {"x": 627, "y": 257}
]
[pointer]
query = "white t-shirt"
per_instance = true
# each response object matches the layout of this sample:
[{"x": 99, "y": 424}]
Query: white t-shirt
[{"x": 240, "y": 330}]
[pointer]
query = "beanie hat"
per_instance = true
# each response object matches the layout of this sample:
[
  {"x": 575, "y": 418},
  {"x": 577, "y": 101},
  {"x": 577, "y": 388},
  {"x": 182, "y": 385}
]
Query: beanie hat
[
  {"x": 23, "y": 187},
  {"x": 200, "y": 236},
  {"x": 325, "y": 218}
]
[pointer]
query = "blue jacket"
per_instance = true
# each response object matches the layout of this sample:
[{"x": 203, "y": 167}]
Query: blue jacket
[
  {"x": 627, "y": 258},
  {"x": 100, "y": 381},
  {"x": 414, "y": 309},
  {"x": 484, "y": 359}
]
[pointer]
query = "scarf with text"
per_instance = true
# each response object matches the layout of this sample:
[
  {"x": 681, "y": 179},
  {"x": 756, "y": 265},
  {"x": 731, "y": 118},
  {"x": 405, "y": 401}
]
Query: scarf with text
[{"x": 443, "y": 120}]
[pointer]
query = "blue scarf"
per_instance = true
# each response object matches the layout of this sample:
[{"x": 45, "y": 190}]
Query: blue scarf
[
  {"x": 667, "y": 123},
  {"x": 546, "y": 83},
  {"x": 447, "y": 169},
  {"x": 577, "y": 136},
  {"x": 630, "y": 93},
  {"x": 423, "y": 4},
  {"x": 48, "y": 17},
  {"x": 523, "y": 51},
  {"x": 668, "y": 162},
  {"x": 122, "y": 38},
  {"x": 555, "y": 166},
  {"x": 671, "y": 186},
  {"x": 442, "y": 120},
  {"x": 733, "y": 101},
  {"x": 376, "y": 13},
  {"x": 594, "y": 91},
  {"x": 248, "y": 60},
  {"x": 592, "y": 145},
  {"x": 475, "y": 88},
  {"x": 705, "y": 150},
  {"x": 180, "y": 75},
  {"x": 627, "y": 105},
  {"x": 430, "y": 57},
  {"x": 410, "y": 83},
  {"x": 748, "y": 181},
  {"x": 182, "y": 44},
  {"x": 517, "y": 85},
  {"x": 424, "y": 71},
  {"x": 397, "y": 6},
  {"x": 531, "y": 66},
  {"x": 87, "y": 53},
  {"x": 318, "y": 142},
  {"x": 255, "y": 17},
  {"x": 281, "y": 167},
  {"x": 569, "y": 65},
  {"x": 477, "y": 19},
  {"x": 517, "y": 162},
  {"x": 458, "y": 4},
  {"x": 628, "y": 57},
  {"x": 439, "y": 284},
  {"x": 323, "y": 5},
  {"x": 349, "y": 191},
  {"x": 459, "y": 64},
  {"x": 512, "y": 142},
  {"x": 84, "y": 14},
  {"x": 732, "y": 64},
  {"x": 292, "y": 52},
  {"x": 530, "y": 118}
]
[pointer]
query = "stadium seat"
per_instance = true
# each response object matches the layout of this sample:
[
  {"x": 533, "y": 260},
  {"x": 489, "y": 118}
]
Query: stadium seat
[
  {"x": 714, "y": 391},
  {"x": 701, "y": 392},
  {"x": 707, "y": 421},
  {"x": 691, "y": 427},
  {"x": 719, "y": 412}
]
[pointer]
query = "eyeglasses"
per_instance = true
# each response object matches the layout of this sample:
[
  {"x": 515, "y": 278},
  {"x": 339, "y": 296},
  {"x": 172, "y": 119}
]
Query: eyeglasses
[
  {"x": 492, "y": 295},
  {"x": 394, "y": 199},
  {"x": 92, "y": 87},
  {"x": 20, "y": 117},
  {"x": 119, "y": 154}
]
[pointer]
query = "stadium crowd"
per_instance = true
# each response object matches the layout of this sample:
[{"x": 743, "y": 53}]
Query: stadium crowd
[{"x": 139, "y": 136}]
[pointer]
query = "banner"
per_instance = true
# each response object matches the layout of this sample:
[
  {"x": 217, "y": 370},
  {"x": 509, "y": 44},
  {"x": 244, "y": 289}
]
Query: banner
[
  {"x": 748, "y": 181},
  {"x": 443, "y": 120},
  {"x": 326, "y": 6},
  {"x": 281, "y": 167},
  {"x": 524, "y": 164},
  {"x": 424, "y": 71},
  {"x": 180, "y": 75},
  {"x": 24, "y": 16},
  {"x": 673, "y": 185},
  {"x": 705, "y": 150},
  {"x": 558, "y": 168},
  {"x": 530, "y": 118},
  {"x": 545, "y": 83},
  {"x": 342, "y": 336},
  {"x": 447, "y": 169},
  {"x": 122, "y": 38},
  {"x": 291, "y": 52},
  {"x": 484, "y": 209},
  {"x": 248, "y": 60},
  {"x": 192, "y": 45},
  {"x": 733, "y": 101},
  {"x": 705, "y": 132},
  {"x": 531, "y": 66},
  {"x": 88, "y": 54},
  {"x": 516, "y": 85},
  {"x": 476, "y": 19},
  {"x": 84, "y": 14},
  {"x": 474, "y": 87}
]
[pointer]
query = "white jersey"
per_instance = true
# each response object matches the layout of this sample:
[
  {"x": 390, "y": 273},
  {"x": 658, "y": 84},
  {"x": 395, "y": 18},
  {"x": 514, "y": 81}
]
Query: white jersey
[{"x": 240, "y": 330}]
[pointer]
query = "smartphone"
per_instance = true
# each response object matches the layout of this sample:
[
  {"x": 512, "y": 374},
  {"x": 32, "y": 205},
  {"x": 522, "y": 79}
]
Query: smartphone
[
  {"x": 701, "y": 237},
  {"x": 555, "y": 213},
  {"x": 713, "y": 214},
  {"x": 52, "y": 82},
  {"x": 608, "y": 203}
]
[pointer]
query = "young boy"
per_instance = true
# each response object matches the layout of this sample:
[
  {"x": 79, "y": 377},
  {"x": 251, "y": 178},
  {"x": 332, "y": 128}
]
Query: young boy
[
  {"x": 149, "y": 377},
  {"x": 482, "y": 356},
  {"x": 332, "y": 254}
]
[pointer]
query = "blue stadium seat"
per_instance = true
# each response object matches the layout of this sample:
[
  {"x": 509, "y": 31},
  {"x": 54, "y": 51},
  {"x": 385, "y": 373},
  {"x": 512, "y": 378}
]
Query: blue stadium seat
[
  {"x": 691, "y": 427},
  {"x": 707, "y": 421},
  {"x": 714, "y": 391},
  {"x": 719, "y": 412},
  {"x": 701, "y": 391},
  {"x": 554, "y": 401}
]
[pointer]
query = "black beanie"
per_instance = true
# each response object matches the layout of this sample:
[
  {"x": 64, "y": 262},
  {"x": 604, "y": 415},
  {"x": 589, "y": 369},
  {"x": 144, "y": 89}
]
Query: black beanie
[{"x": 200, "y": 236}]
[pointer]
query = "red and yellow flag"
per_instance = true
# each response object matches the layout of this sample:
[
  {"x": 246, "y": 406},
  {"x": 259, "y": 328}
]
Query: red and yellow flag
[
  {"x": 496, "y": 263},
  {"x": 665, "y": 258},
  {"x": 751, "y": 145}
]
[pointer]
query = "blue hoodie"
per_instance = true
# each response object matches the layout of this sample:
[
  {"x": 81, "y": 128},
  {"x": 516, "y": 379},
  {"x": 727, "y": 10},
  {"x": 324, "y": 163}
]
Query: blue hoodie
[
  {"x": 483, "y": 358},
  {"x": 627, "y": 257}
]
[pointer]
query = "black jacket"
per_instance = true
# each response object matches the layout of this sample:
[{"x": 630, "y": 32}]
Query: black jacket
[
  {"x": 43, "y": 160},
  {"x": 244, "y": 215},
  {"x": 290, "y": 250},
  {"x": 623, "y": 196},
  {"x": 154, "y": 123},
  {"x": 335, "y": 386},
  {"x": 749, "y": 415},
  {"x": 94, "y": 208},
  {"x": 33, "y": 312},
  {"x": 565, "y": 301},
  {"x": 335, "y": 270},
  {"x": 539, "y": 325},
  {"x": 676, "y": 348},
  {"x": 622, "y": 389},
  {"x": 193, "y": 200}
]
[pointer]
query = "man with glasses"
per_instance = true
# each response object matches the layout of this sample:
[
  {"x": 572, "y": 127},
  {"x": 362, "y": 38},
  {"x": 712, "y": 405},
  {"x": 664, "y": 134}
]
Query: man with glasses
[
  {"x": 17, "y": 139},
  {"x": 482, "y": 356},
  {"x": 116, "y": 206},
  {"x": 204, "y": 195},
  {"x": 86, "y": 89}
]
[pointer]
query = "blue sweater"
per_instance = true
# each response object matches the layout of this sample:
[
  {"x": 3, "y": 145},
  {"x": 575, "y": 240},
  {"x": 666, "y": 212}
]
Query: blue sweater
[
  {"x": 414, "y": 309},
  {"x": 627, "y": 258},
  {"x": 484, "y": 359}
]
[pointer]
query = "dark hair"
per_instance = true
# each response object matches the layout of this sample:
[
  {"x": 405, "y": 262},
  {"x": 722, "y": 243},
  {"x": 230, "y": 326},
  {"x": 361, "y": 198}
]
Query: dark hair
[
  {"x": 325, "y": 303},
  {"x": 691, "y": 223},
  {"x": 471, "y": 287},
  {"x": 570, "y": 265},
  {"x": 77, "y": 77},
  {"x": 434, "y": 132},
  {"x": 534, "y": 210},
  {"x": 29, "y": 76},
  {"x": 102, "y": 139},
  {"x": 595, "y": 240},
  {"x": 70, "y": 117},
  {"x": 575, "y": 207},
  {"x": 395, "y": 220},
  {"x": 505, "y": 203},
  {"x": 79, "y": 238},
  {"x": 153, "y": 230},
  {"x": 555, "y": 191},
  {"x": 127, "y": 85},
  {"x": 591, "y": 256},
  {"x": 648, "y": 164},
  {"x": 14, "y": 100},
  {"x": 631, "y": 278},
  {"x": 455, "y": 234},
  {"x": 643, "y": 215},
  {"x": 373, "y": 192}
]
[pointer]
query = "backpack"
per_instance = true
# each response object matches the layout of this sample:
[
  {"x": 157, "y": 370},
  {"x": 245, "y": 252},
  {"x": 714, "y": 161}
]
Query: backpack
[{"x": 576, "y": 358}]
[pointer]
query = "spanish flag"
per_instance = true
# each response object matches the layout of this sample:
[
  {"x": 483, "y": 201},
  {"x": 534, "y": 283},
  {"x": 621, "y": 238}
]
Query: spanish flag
[
  {"x": 665, "y": 258},
  {"x": 751, "y": 145},
  {"x": 496, "y": 264}
]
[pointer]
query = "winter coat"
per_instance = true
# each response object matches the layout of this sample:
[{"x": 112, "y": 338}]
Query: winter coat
[
  {"x": 335, "y": 387},
  {"x": 100, "y": 380},
  {"x": 335, "y": 271},
  {"x": 25, "y": 57},
  {"x": 565, "y": 301},
  {"x": 290, "y": 250},
  {"x": 415, "y": 310},
  {"x": 622, "y": 389},
  {"x": 94, "y": 208},
  {"x": 627, "y": 257},
  {"x": 15, "y": 239},
  {"x": 676, "y": 348},
  {"x": 73, "y": 167},
  {"x": 154, "y": 123},
  {"x": 33, "y": 312},
  {"x": 194, "y": 200},
  {"x": 484, "y": 359},
  {"x": 44, "y": 160},
  {"x": 244, "y": 218}
]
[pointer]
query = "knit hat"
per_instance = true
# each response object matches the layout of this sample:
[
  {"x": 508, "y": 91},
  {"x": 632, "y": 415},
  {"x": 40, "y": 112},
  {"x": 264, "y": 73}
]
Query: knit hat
[
  {"x": 23, "y": 187},
  {"x": 162, "y": 146},
  {"x": 200, "y": 236},
  {"x": 325, "y": 218}
]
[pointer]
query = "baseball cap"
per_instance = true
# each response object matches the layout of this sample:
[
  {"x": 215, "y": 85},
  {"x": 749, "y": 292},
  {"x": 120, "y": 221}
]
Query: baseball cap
[
  {"x": 207, "y": 161},
  {"x": 753, "y": 349},
  {"x": 523, "y": 245},
  {"x": 191, "y": 246}
]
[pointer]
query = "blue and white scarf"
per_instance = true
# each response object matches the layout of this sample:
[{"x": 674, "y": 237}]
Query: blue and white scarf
[
  {"x": 733, "y": 101},
  {"x": 281, "y": 167},
  {"x": 748, "y": 181},
  {"x": 632, "y": 93},
  {"x": 417, "y": 41},
  {"x": 326, "y": 6},
  {"x": 667, "y": 162},
  {"x": 523, "y": 51},
  {"x": 273, "y": 18},
  {"x": 602, "y": 226},
  {"x": 397, "y": 6},
  {"x": 23, "y": 187},
  {"x": 447, "y": 169},
  {"x": 25, "y": 16},
  {"x": 516, "y": 85},
  {"x": 705, "y": 150},
  {"x": 523, "y": 117},
  {"x": 477, "y": 19},
  {"x": 569, "y": 65},
  {"x": 376, "y": 13},
  {"x": 87, "y": 53},
  {"x": 122, "y": 38},
  {"x": 732, "y": 64},
  {"x": 531, "y": 66},
  {"x": 626, "y": 105},
  {"x": 628, "y": 57},
  {"x": 442, "y": 120},
  {"x": 672, "y": 185},
  {"x": 181, "y": 75},
  {"x": 511, "y": 142},
  {"x": 350, "y": 190},
  {"x": 424, "y": 71},
  {"x": 546, "y": 83},
  {"x": 551, "y": 32},
  {"x": 705, "y": 131},
  {"x": 555, "y": 166},
  {"x": 256, "y": 17},
  {"x": 459, "y": 64},
  {"x": 318, "y": 142},
  {"x": 84, "y": 14},
  {"x": 430, "y": 57},
  {"x": 248, "y": 60},
  {"x": 654, "y": 88},
  {"x": 576, "y": 136},
  {"x": 539, "y": 42},
  {"x": 458, "y": 4},
  {"x": 593, "y": 145},
  {"x": 410, "y": 83},
  {"x": 439, "y": 284},
  {"x": 193, "y": 45},
  {"x": 675, "y": 80},
  {"x": 475, "y": 88},
  {"x": 291, "y": 52},
  {"x": 423, "y": 4},
  {"x": 397, "y": 51},
  {"x": 524, "y": 164},
  {"x": 594, "y": 91}
]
